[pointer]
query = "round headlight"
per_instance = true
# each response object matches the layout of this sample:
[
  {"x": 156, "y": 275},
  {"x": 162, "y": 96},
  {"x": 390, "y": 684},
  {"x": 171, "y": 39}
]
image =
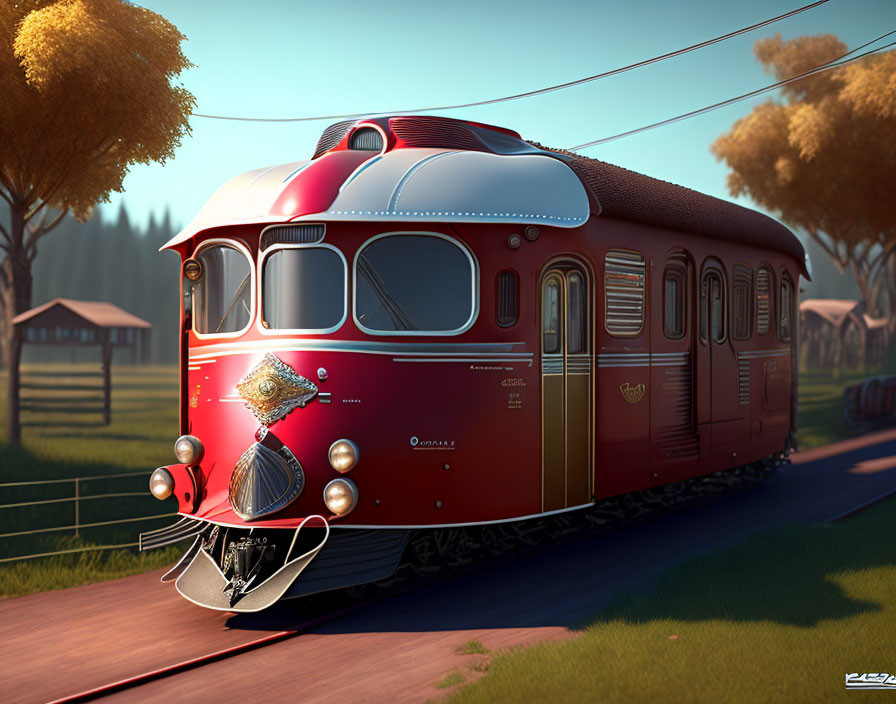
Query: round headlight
[
  {"x": 188, "y": 449},
  {"x": 343, "y": 455},
  {"x": 340, "y": 496},
  {"x": 161, "y": 483}
]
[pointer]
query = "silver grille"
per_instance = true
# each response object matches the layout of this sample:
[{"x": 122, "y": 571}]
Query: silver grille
[{"x": 624, "y": 292}]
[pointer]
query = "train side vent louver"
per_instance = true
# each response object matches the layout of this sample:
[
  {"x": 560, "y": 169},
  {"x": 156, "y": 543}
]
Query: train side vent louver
[
  {"x": 292, "y": 234},
  {"x": 366, "y": 138},
  {"x": 508, "y": 297},
  {"x": 624, "y": 292},
  {"x": 763, "y": 300}
]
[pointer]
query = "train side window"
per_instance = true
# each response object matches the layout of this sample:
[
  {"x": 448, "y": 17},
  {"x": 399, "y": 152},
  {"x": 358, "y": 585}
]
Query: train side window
[
  {"x": 222, "y": 295},
  {"x": 550, "y": 316},
  {"x": 507, "y": 299},
  {"x": 742, "y": 302},
  {"x": 763, "y": 300},
  {"x": 785, "y": 313},
  {"x": 673, "y": 302},
  {"x": 624, "y": 293},
  {"x": 712, "y": 308},
  {"x": 575, "y": 314}
]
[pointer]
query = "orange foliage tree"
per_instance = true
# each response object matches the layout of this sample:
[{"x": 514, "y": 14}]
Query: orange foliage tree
[
  {"x": 824, "y": 158},
  {"x": 87, "y": 90}
]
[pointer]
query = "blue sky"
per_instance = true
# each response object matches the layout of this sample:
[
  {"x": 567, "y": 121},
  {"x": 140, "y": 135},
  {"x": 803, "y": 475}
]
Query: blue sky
[{"x": 274, "y": 58}]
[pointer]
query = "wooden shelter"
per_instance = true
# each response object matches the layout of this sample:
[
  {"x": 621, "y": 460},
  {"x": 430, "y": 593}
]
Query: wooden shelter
[
  {"x": 836, "y": 332},
  {"x": 63, "y": 321}
]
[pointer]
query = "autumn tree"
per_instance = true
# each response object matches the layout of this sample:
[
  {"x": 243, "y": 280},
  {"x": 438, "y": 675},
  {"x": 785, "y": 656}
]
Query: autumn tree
[
  {"x": 87, "y": 91},
  {"x": 824, "y": 157}
]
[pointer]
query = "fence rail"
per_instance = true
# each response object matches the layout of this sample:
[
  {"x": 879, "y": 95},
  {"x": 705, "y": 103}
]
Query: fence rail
[{"x": 76, "y": 498}]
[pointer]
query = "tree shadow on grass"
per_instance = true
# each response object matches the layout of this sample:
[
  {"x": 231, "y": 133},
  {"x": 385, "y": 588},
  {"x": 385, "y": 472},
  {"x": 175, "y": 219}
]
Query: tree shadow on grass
[{"x": 784, "y": 576}]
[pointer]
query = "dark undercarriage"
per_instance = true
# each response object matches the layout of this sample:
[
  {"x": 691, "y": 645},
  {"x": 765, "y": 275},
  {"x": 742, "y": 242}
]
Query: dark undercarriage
[{"x": 242, "y": 569}]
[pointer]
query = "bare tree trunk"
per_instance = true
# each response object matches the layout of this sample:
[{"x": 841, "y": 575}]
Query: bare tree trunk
[{"x": 16, "y": 298}]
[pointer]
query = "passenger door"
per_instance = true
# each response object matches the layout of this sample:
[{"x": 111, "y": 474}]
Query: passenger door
[{"x": 566, "y": 387}]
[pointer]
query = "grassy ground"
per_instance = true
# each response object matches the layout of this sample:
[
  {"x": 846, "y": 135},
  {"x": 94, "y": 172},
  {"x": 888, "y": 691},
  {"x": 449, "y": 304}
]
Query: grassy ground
[
  {"x": 63, "y": 437},
  {"x": 783, "y": 616},
  {"x": 820, "y": 415}
]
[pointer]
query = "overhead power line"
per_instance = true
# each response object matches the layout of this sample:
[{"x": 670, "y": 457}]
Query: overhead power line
[
  {"x": 834, "y": 63},
  {"x": 531, "y": 93}
]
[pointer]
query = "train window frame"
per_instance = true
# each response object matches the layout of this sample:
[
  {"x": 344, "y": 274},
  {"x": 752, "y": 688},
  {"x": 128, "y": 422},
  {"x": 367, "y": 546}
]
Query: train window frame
[
  {"x": 474, "y": 287},
  {"x": 643, "y": 262},
  {"x": 703, "y": 317},
  {"x": 267, "y": 252},
  {"x": 746, "y": 282},
  {"x": 771, "y": 322},
  {"x": 785, "y": 281},
  {"x": 241, "y": 247},
  {"x": 677, "y": 270}
]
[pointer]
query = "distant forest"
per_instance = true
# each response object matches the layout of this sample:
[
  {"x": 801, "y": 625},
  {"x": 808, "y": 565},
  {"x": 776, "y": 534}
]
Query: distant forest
[{"x": 115, "y": 262}]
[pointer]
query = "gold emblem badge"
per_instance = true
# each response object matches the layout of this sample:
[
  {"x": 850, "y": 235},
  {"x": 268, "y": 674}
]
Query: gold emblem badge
[
  {"x": 632, "y": 394},
  {"x": 273, "y": 389}
]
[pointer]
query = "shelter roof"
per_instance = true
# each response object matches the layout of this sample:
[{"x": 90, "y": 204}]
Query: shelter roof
[
  {"x": 99, "y": 313},
  {"x": 833, "y": 310}
]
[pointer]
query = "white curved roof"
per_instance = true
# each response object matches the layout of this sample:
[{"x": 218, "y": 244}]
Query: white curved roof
[{"x": 414, "y": 185}]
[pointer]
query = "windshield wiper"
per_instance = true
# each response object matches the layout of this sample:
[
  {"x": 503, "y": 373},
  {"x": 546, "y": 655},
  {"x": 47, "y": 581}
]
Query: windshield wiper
[
  {"x": 400, "y": 319},
  {"x": 236, "y": 296}
]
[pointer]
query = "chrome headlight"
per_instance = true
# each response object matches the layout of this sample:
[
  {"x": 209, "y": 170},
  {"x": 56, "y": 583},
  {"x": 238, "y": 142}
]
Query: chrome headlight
[
  {"x": 189, "y": 450},
  {"x": 161, "y": 483},
  {"x": 341, "y": 496},
  {"x": 343, "y": 455}
]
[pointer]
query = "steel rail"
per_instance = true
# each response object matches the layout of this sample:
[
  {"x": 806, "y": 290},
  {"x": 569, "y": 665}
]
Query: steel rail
[{"x": 169, "y": 670}]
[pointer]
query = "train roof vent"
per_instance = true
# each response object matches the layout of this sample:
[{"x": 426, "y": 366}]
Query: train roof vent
[
  {"x": 332, "y": 136},
  {"x": 366, "y": 138},
  {"x": 436, "y": 132},
  {"x": 292, "y": 234}
]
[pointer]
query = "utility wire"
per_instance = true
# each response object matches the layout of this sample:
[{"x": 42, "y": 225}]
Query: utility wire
[
  {"x": 834, "y": 63},
  {"x": 531, "y": 93}
]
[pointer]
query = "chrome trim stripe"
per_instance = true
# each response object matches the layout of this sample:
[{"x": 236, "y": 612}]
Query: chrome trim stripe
[
  {"x": 363, "y": 347},
  {"x": 526, "y": 359},
  {"x": 753, "y": 354},
  {"x": 408, "y": 527}
]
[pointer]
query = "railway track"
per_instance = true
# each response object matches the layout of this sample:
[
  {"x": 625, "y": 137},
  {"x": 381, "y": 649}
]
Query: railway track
[{"x": 477, "y": 552}]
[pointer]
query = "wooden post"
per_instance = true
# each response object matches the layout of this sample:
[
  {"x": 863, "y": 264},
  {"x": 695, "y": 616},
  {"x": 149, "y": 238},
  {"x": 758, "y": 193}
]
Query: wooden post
[
  {"x": 77, "y": 505},
  {"x": 14, "y": 427},
  {"x": 107, "y": 378}
]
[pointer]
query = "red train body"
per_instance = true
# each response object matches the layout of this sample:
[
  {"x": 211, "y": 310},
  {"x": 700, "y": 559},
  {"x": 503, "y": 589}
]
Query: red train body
[{"x": 501, "y": 331}]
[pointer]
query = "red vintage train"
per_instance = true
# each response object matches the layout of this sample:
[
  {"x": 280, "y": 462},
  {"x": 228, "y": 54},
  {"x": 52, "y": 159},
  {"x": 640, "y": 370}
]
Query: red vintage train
[{"x": 434, "y": 323}]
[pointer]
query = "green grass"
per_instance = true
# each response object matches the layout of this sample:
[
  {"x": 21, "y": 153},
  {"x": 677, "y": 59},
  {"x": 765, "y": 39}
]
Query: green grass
[
  {"x": 820, "y": 414},
  {"x": 472, "y": 647},
  {"x": 62, "y": 437},
  {"x": 782, "y": 616},
  {"x": 450, "y": 680}
]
